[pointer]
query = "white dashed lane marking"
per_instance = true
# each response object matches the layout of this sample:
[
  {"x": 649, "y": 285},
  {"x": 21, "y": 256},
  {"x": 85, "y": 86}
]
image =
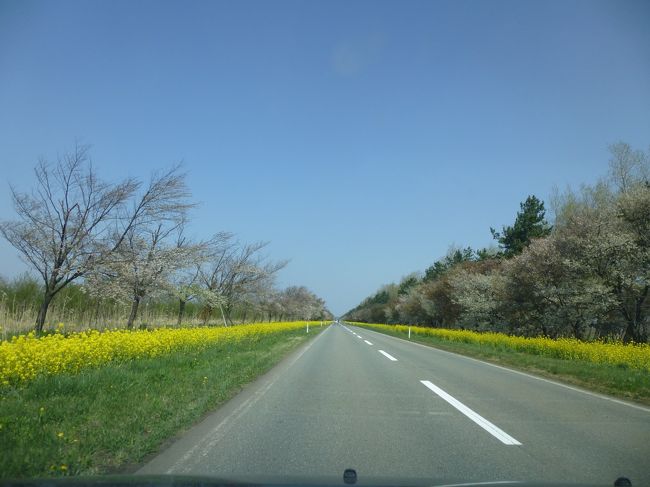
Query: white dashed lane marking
[
  {"x": 388, "y": 356},
  {"x": 498, "y": 433}
]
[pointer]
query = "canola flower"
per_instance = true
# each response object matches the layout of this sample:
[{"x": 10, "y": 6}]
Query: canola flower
[
  {"x": 25, "y": 357},
  {"x": 633, "y": 356}
]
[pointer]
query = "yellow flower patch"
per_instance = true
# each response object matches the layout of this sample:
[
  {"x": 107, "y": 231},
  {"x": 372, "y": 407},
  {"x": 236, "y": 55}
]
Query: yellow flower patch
[
  {"x": 26, "y": 356},
  {"x": 634, "y": 356}
]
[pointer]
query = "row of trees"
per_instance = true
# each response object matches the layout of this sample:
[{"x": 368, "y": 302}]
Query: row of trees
[
  {"x": 21, "y": 296},
  {"x": 586, "y": 276},
  {"x": 126, "y": 242}
]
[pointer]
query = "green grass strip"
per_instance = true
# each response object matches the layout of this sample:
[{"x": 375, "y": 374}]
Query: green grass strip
[
  {"x": 107, "y": 419},
  {"x": 616, "y": 380},
  {"x": 26, "y": 357}
]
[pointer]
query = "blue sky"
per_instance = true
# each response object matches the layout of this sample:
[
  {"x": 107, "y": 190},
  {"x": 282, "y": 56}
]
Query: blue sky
[{"x": 361, "y": 139}]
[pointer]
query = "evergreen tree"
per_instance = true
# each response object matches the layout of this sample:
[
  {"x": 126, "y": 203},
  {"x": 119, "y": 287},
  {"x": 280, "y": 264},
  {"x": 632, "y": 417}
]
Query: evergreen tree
[
  {"x": 454, "y": 256},
  {"x": 529, "y": 224}
]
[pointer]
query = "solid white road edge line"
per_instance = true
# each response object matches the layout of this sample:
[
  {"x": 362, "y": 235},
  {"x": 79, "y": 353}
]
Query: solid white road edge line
[
  {"x": 388, "y": 356},
  {"x": 498, "y": 433},
  {"x": 367, "y": 342}
]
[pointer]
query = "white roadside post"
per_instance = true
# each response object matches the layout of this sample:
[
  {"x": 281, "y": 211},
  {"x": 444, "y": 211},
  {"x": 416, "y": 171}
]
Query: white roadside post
[
  {"x": 409, "y": 332},
  {"x": 307, "y": 327}
]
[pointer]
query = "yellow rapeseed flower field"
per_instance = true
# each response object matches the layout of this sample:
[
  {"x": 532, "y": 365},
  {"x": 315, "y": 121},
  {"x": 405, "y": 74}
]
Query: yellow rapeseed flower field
[
  {"x": 634, "y": 356},
  {"x": 25, "y": 357}
]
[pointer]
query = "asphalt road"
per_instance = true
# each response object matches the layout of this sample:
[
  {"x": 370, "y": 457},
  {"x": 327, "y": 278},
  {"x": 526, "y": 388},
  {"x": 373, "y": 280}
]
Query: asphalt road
[{"x": 392, "y": 409}]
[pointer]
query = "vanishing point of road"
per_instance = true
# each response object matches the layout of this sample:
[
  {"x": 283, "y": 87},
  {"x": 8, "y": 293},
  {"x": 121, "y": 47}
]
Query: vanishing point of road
[{"x": 392, "y": 409}]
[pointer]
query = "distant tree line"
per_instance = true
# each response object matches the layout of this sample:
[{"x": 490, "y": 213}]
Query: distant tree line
[
  {"x": 586, "y": 276},
  {"x": 20, "y": 299},
  {"x": 124, "y": 245}
]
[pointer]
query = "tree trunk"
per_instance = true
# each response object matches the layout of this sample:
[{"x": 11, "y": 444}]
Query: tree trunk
[
  {"x": 577, "y": 330},
  {"x": 206, "y": 313},
  {"x": 642, "y": 333},
  {"x": 42, "y": 312},
  {"x": 228, "y": 315},
  {"x": 181, "y": 310},
  {"x": 134, "y": 312},
  {"x": 223, "y": 316},
  {"x": 97, "y": 312},
  {"x": 629, "y": 335}
]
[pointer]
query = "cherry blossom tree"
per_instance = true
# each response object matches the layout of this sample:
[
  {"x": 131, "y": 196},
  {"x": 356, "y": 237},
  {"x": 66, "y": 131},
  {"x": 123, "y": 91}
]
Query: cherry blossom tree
[
  {"x": 65, "y": 222},
  {"x": 232, "y": 273},
  {"x": 73, "y": 223}
]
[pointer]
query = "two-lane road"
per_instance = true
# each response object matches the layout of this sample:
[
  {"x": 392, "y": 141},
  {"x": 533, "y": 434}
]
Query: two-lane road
[{"x": 394, "y": 409}]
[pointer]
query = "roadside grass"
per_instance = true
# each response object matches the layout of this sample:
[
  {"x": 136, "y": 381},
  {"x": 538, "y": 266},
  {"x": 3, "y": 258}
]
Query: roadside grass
[
  {"x": 26, "y": 357},
  {"x": 622, "y": 382},
  {"x": 108, "y": 419}
]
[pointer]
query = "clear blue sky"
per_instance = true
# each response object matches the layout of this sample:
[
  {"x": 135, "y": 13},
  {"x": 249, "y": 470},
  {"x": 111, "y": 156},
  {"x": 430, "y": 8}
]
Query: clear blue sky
[{"x": 360, "y": 138}]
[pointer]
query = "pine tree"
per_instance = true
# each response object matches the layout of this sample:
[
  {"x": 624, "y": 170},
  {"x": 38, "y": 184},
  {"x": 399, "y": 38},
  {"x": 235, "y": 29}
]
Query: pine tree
[{"x": 529, "y": 224}]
